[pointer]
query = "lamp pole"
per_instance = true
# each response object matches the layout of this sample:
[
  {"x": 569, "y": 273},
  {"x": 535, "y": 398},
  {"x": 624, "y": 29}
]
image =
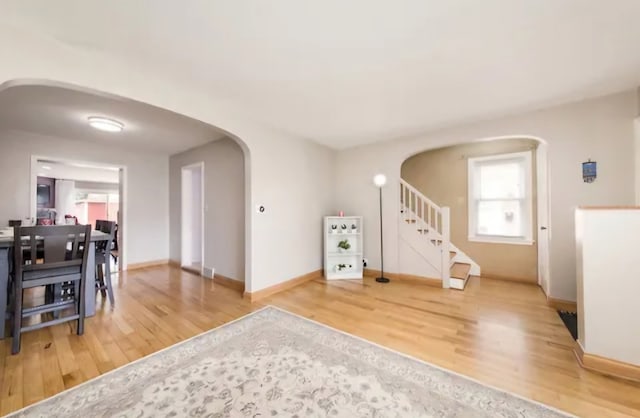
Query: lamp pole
[{"x": 380, "y": 180}]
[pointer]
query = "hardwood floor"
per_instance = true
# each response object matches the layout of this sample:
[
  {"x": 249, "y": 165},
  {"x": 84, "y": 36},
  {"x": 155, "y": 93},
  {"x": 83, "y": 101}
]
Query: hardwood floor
[{"x": 500, "y": 333}]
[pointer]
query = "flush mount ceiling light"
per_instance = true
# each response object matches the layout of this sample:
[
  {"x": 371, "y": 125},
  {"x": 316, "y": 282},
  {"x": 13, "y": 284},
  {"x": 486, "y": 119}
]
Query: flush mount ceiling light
[{"x": 105, "y": 124}]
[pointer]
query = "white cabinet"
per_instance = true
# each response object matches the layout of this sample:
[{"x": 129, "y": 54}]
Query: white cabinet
[{"x": 343, "y": 247}]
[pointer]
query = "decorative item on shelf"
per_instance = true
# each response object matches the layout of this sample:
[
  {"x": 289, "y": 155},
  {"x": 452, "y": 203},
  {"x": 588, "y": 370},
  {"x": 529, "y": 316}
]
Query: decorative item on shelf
[
  {"x": 344, "y": 228},
  {"x": 344, "y": 245},
  {"x": 341, "y": 214},
  {"x": 354, "y": 228},
  {"x": 334, "y": 229},
  {"x": 340, "y": 267}
]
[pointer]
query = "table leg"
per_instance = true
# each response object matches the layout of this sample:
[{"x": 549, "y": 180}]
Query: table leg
[
  {"x": 90, "y": 282},
  {"x": 4, "y": 283}
]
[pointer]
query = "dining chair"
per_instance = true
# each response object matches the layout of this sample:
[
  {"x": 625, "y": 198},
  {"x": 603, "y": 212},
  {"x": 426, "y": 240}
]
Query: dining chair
[
  {"x": 103, "y": 259},
  {"x": 62, "y": 262}
]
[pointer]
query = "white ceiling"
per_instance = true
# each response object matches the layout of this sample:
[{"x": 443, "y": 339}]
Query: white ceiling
[
  {"x": 63, "y": 112},
  {"x": 350, "y": 72}
]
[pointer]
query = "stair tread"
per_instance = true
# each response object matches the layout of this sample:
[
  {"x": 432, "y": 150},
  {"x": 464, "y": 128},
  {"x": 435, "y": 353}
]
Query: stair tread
[
  {"x": 452, "y": 254},
  {"x": 460, "y": 270}
]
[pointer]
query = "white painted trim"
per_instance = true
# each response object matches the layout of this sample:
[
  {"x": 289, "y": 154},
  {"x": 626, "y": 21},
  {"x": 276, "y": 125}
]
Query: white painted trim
[
  {"x": 490, "y": 239},
  {"x": 543, "y": 200},
  {"x": 636, "y": 144},
  {"x": 122, "y": 261},
  {"x": 472, "y": 214},
  {"x": 188, "y": 169}
]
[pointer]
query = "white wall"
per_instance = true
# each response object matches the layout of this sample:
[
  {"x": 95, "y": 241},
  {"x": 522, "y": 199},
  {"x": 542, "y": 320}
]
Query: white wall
[
  {"x": 600, "y": 129},
  {"x": 291, "y": 176},
  {"x": 146, "y": 202},
  {"x": 294, "y": 180},
  {"x": 608, "y": 285},
  {"x": 224, "y": 200}
]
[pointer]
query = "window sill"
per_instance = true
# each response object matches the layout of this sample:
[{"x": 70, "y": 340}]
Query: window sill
[{"x": 501, "y": 240}]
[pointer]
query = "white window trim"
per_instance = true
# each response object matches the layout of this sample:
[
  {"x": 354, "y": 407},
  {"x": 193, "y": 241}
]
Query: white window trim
[{"x": 496, "y": 239}]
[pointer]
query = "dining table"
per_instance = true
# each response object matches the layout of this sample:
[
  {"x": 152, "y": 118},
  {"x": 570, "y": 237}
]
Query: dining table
[{"x": 7, "y": 243}]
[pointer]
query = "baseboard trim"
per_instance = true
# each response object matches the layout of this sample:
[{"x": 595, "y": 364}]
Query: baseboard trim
[
  {"x": 427, "y": 281},
  {"x": 376, "y": 273},
  {"x": 562, "y": 305},
  {"x": 605, "y": 365},
  {"x": 228, "y": 282},
  {"x": 281, "y": 287},
  {"x": 510, "y": 278},
  {"x": 146, "y": 264}
]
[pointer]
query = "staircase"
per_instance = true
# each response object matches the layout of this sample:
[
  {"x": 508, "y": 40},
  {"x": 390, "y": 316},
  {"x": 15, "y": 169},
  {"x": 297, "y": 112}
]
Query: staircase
[{"x": 425, "y": 240}]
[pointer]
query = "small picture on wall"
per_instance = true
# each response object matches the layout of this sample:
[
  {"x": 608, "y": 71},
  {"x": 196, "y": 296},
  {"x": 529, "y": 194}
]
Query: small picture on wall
[{"x": 589, "y": 171}]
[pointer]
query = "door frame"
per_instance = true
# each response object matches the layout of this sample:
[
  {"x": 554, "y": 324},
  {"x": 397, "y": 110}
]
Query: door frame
[
  {"x": 543, "y": 236},
  {"x": 185, "y": 207},
  {"x": 122, "y": 189}
]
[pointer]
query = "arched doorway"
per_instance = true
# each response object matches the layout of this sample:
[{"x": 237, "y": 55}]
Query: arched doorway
[
  {"x": 151, "y": 135},
  {"x": 445, "y": 176}
]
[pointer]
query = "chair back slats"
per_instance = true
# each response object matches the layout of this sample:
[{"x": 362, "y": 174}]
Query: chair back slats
[
  {"x": 58, "y": 246},
  {"x": 55, "y": 248},
  {"x": 75, "y": 247},
  {"x": 34, "y": 248}
]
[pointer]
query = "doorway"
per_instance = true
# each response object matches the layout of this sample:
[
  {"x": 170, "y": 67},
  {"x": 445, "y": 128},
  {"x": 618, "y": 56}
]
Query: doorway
[
  {"x": 543, "y": 233},
  {"x": 192, "y": 257},
  {"x": 69, "y": 191},
  {"x": 503, "y": 227}
]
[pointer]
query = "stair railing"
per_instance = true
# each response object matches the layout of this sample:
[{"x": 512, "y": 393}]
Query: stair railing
[{"x": 430, "y": 220}]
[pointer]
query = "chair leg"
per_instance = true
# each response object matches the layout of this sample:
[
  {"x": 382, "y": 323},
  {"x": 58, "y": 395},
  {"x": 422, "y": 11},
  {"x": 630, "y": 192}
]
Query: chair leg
[
  {"x": 101, "y": 284},
  {"x": 57, "y": 297},
  {"x": 107, "y": 279},
  {"x": 76, "y": 292},
  {"x": 17, "y": 319},
  {"x": 81, "y": 308}
]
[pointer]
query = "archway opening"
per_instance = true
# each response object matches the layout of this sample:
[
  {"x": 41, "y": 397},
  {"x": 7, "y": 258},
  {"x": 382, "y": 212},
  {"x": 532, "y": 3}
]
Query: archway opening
[
  {"x": 52, "y": 118},
  {"x": 497, "y": 192}
]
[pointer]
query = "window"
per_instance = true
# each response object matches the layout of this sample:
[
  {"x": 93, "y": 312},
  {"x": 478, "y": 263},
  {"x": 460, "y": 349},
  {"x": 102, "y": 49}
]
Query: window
[{"x": 500, "y": 201}]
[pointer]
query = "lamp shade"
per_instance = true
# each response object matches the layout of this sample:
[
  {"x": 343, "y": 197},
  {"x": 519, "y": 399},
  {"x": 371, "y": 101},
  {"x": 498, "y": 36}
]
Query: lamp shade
[{"x": 379, "y": 180}]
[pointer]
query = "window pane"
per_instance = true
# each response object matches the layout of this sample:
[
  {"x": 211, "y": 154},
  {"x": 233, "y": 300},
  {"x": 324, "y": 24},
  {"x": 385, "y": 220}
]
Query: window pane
[
  {"x": 501, "y": 180},
  {"x": 500, "y": 217}
]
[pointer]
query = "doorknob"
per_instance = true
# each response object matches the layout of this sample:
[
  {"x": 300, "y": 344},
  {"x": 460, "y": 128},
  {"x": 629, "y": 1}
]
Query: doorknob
[{"x": 543, "y": 228}]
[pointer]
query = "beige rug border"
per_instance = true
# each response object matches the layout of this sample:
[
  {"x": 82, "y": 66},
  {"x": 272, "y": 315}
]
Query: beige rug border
[{"x": 407, "y": 356}]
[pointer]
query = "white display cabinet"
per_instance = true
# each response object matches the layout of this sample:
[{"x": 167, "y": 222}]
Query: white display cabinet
[{"x": 343, "y": 247}]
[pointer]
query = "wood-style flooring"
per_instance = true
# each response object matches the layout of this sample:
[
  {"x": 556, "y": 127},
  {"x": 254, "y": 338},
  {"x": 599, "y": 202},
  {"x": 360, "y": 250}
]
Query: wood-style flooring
[{"x": 500, "y": 333}]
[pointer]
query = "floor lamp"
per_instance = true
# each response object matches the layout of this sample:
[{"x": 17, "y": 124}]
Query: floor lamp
[{"x": 380, "y": 180}]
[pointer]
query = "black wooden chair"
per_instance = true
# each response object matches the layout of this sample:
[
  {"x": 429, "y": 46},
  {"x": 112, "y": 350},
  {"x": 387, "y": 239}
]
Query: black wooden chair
[
  {"x": 103, "y": 259},
  {"x": 62, "y": 262}
]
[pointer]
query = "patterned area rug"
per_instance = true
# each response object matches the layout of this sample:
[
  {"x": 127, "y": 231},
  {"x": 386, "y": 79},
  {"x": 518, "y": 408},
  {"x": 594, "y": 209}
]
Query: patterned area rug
[{"x": 275, "y": 364}]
